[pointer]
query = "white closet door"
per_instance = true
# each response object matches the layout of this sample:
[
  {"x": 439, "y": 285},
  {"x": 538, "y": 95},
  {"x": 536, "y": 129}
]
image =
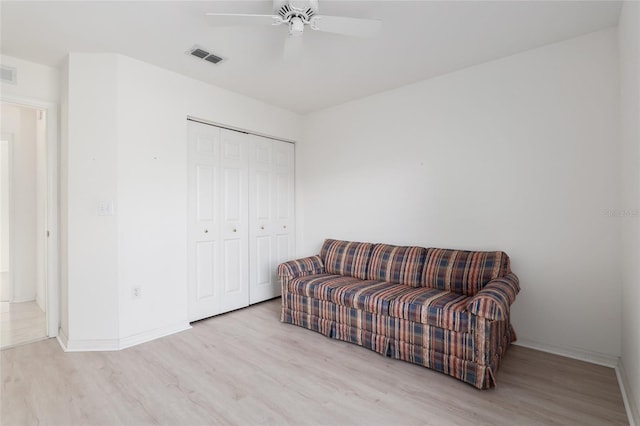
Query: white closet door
[
  {"x": 241, "y": 218},
  {"x": 270, "y": 214},
  {"x": 204, "y": 239},
  {"x": 234, "y": 219}
]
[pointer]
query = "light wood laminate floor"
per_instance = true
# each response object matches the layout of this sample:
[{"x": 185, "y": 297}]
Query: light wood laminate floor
[
  {"x": 247, "y": 368},
  {"x": 21, "y": 323}
]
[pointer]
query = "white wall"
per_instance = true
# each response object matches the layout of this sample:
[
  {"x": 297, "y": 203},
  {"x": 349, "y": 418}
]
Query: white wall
[
  {"x": 21, "y": 123},
  {"x": 519, "y": 154},
  {"x": 34, "y": 80},
  {"x": 92, "y": 240},
  {"x": 629, "y": 39},
  {"x": 127, "y": 144}
]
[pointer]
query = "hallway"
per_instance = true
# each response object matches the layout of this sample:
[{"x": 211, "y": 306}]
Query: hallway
[{"x": 21, "y": 323}]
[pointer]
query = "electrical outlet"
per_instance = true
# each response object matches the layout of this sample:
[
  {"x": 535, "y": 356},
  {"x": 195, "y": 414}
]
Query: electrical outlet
[{"x": 136, "y": 292}]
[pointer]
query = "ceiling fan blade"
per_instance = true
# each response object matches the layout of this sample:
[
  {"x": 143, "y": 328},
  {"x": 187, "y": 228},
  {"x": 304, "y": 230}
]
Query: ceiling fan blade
[
  {"x": 313, "y": 5},
  {"x": 293, "y": 48},
  {"x": 277, "y": 4},
  {"x": 236, "y": 19},
  {"x": 346, "y": 26}
]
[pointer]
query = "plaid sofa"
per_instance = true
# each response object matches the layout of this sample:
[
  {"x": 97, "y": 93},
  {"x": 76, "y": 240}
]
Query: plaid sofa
[{"x": 447, "y": 310}]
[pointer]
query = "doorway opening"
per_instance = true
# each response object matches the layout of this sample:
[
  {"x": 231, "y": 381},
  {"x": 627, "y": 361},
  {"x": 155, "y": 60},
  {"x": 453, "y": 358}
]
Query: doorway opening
[{"x": 24, "y": 220}]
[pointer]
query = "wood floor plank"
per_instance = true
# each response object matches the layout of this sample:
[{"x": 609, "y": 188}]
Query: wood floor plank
[{"x": 247, "y": 368}]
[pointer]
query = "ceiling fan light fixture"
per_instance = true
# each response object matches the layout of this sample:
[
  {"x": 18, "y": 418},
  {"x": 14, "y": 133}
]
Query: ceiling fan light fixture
[{"x": 296, "y": 26}]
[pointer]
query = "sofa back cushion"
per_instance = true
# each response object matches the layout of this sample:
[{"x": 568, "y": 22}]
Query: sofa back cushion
[
  {"x": 346, "y": 258},
  {"x": 397, "y": 264},
  {"x": 461, "y": 271}
]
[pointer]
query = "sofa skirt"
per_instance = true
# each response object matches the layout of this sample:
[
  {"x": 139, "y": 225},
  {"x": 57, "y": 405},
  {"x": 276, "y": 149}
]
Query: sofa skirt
[{"x": 453, "y": 353}]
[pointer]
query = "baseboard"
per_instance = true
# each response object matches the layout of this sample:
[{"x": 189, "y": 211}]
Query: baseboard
[
  {"x": 574, "y": 353},
  {"x": 629, "y": 402},
  {"x": 147, "y": 336},
  {"x": 62, "y": 339},
  {"x": 33, "y": 299},
  {"x": 90, "y": 345}
]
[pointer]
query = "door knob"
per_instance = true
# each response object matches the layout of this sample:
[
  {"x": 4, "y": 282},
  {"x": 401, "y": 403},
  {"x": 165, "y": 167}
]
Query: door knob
[
  {"x": 206, "y": 231},
  {"x": 235, "y": 230},
  {"x": 262, "y": 227},
  {"x": 285, "y": 226}
]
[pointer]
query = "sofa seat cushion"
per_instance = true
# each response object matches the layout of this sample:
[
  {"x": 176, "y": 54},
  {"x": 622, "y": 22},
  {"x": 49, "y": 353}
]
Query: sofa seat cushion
[
  {"x": 346, "y": 257},
  {"x": 369, "y": 296},
  {"x": 319, "y": 286},
  {"x": 432, "y": 306},
  {"x": 397, "y": 264}
]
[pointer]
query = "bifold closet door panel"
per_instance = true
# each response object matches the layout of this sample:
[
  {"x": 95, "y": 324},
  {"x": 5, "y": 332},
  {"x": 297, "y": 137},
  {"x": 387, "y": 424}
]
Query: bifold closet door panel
[
  {"x": 270, "y": 214},
  {"x": 261, "y": 219},
  {"x": 218, "y": 264},
  {"x": 285, "y": 229},
  {"x": 234, "y": 219},
  {"x": 204, "y": 238}
]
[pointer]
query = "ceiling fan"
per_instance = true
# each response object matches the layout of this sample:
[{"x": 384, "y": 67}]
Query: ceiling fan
[{"x": 298, "y": 15}]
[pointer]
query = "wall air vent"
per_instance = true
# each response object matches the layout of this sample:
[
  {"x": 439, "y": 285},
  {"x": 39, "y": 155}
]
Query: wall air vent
[
  {"x": 205, "y": 54},
  {"x": 8, "y": 75}
]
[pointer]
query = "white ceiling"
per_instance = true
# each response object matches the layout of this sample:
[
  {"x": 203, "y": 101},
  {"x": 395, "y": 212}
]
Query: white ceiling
[{"x": 418, "y": 40}]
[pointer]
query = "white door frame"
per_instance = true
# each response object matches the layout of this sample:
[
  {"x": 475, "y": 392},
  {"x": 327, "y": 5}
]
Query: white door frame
[
  {"x": 52, "y": 207},
  {"x": 8, "y": 137}
]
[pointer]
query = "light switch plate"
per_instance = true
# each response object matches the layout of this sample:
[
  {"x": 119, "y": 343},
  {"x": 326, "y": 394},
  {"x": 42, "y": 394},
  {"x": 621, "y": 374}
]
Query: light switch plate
[{"x": 105, "y": 208}]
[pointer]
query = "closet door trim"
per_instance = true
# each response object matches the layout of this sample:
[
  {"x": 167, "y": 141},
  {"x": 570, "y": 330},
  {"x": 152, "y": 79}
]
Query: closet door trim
[{"x": 237, "y": 129}]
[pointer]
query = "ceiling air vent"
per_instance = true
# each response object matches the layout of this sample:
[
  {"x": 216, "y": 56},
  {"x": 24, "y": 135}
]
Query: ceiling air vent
[
  {"x": 213, "y": 58},
  {"x": 201, "y": 53},
  {"x": 8, "y": 75}
]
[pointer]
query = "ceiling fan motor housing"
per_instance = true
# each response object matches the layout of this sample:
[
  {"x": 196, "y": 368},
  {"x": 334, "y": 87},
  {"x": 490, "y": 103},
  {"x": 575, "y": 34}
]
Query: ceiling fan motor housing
[{"x": 296, "y": 17}]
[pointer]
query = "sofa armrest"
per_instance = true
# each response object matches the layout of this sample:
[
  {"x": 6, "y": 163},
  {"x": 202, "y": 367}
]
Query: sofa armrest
[
  {"x": 494, "y": 300},
  {"x": 296, "y": 268}
]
